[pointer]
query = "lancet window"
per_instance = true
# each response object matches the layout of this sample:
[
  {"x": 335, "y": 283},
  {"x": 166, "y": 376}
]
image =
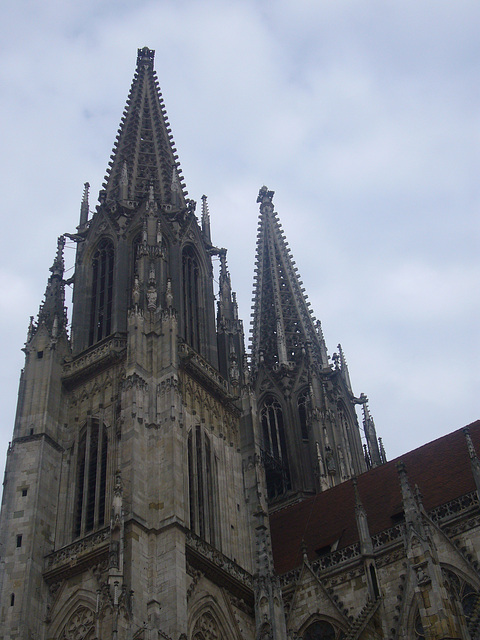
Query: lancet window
[
  {"x": 274, "y": 448},
  {"x": 202, "y": 485},
  {"x": 191, "y": 298},
  {"x": 102, "y": 292},
  {"x": 91, "y": 478}
]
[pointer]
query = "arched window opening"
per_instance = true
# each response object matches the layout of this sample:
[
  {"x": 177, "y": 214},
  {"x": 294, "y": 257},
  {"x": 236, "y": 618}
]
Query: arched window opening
[
  {"x": 464, "y": 592},
  {"x": 91, "y": 479},
  {"x": 207, "y": 628},
  {"x": 274, "y": 448},
  {"x": 191, "y": 299},
  {"x": 302, "y": 405},
  {"x": 102, "y": 292},
  {"x": 202, "y": 485},
  {"x": 322, "y": 630}
]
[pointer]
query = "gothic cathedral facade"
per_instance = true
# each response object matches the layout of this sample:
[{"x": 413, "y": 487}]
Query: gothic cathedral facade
[{"x": 148, "y": 454}]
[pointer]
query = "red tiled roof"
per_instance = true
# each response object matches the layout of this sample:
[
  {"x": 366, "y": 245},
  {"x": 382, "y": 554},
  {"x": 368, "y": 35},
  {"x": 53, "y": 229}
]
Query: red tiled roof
[{"x": 441, "y": 469}]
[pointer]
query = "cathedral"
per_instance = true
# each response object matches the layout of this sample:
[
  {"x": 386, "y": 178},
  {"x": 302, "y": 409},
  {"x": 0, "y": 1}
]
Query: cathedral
[{"x": 163, "y": 483}]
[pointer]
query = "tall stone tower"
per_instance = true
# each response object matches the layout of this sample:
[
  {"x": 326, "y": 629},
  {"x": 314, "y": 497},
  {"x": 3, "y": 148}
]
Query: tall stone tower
[
  {"x": 139, "y": 476},
  {"x": 309, "y": 430}
]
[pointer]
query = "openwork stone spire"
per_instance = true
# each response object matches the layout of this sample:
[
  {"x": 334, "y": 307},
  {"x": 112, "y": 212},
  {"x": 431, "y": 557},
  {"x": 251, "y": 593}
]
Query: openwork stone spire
[
  {"x": 144, "y": 154},
  {"x": 283, "y": 327}
]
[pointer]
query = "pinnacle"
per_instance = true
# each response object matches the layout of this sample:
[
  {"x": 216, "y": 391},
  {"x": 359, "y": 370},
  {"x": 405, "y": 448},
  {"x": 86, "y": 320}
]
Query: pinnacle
[{"x": 52, "y": 309}]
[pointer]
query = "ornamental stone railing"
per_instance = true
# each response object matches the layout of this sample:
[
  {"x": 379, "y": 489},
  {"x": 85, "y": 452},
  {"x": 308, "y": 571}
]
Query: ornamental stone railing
[
  {"x": 72, "y": 553},
  {"x": 336, "y": 557},
  {"x": 454, "y": 507},
  {"x": 219, "y": 560},
  {"x": 111, "y": 347},
  {"x": 387, "y": 536}
]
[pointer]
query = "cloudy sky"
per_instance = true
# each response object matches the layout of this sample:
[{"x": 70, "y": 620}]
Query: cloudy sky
[{"x": 363, "y": 116}]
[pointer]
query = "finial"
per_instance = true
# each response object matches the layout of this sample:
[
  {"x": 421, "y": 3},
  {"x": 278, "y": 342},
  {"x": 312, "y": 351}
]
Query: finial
[
  {"x": 145, "y": 58},
  {"x": 58, "y": 265},
  {"x": 84, "y": 207},
  {"x": 383, "y": 454},
  {"x": 205, "y": 219},
  {"x": 31, "y": 330},
  {"x": 265, "y": 198},
  {"x": 336, "y": 361},
  {"x": 371, "y": 436},
  {"x": 341, "y": 356},
  {"x": 53, "y": 305}
]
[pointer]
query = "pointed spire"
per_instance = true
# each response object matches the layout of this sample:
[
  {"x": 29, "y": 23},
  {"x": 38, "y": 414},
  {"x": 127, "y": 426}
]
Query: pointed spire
[
  {"x": 84, "y": 208},
  {"x": 410, "y": 504},
  {"x": 371, "y": 436},
  {"x": 366, "y": 545},
  {"x": 282, "y": 323},
  {"x": 52, "y": 310},
  {"x": 145, "y": 142},
  {"x": 474, "y": 461},
  {"x": 206, "y": 220},
  {"x": 383, "y": 454},
  {"x": 225, "y": 303}
]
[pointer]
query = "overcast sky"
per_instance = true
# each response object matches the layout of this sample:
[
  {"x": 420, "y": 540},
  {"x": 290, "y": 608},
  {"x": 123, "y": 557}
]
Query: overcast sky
[{"x": 362, "y": 116}]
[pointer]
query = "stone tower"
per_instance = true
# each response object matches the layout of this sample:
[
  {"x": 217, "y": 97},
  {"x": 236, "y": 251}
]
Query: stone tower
[
  {"x": 140, "y": 475},
  {"x": 124, "y": 479},
  {"x": 310, "y": 435}
]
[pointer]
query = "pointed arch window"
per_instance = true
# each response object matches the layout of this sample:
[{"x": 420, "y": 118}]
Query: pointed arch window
[
  {"x": 191, "y": 298},
  {"x": 91, "y": 478},
  {"x": 202, "y": 486},
  {"x": 274, "y": 448},
  {"x": 102, "y": 292},
  {"x": 322, "y": 630}
]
